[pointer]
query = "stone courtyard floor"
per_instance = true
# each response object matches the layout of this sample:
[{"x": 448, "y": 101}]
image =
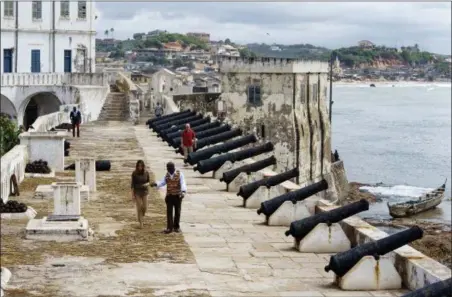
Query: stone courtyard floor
[{"x": 223, "y": 250}]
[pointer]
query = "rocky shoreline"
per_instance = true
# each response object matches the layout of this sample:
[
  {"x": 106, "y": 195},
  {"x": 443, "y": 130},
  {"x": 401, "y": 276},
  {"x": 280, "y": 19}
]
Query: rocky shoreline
[{"x": 437, "y": 240}]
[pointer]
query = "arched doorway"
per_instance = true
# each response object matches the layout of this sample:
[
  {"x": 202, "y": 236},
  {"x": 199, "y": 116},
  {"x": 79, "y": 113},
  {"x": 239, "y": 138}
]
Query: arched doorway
[
  {"x": 38, "y": 105},
  {"x": 7, "y": 108}
]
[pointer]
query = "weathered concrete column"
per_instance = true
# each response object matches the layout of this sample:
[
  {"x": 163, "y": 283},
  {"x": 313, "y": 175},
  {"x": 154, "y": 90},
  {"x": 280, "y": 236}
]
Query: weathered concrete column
[
  {"x": 85, "y": 173},
  {"x": 48, "y": 146},
  {"x": 66, "y": 199}
]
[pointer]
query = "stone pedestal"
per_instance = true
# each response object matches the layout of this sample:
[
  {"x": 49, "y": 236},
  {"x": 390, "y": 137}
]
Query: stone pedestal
[
  {"x": 45, "y": 192},
  {"x": 48, "y": 146},
  {"x": 66, "y": 199},
  {"x": 66, "y": 223},
  {"x": 85, "y": 173}
]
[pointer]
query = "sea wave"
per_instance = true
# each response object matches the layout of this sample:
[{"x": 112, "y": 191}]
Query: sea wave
[
  {"x": 398, "y": 191},
  {"x": 395, "y": 85}
]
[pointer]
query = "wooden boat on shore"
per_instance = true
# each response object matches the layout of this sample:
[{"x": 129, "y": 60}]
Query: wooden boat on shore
[{"x": 423, "y": 203}]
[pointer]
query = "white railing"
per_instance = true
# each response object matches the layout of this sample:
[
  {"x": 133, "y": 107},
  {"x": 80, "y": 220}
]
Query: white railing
[
  {"x": 168, "y": 104},
  {"x": 13, "y": 162},
  {"x": 46, "y": 122},
  {"x": 52, "y": 79},
  {"x": 127, "y": 86}
]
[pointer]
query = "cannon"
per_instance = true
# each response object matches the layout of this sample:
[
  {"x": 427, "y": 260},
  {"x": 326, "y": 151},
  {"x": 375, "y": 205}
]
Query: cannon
[
  {"x": 213, "y": 164},
  {"x": 367, "y": 259},
  {"x": 247, "y": 190},
  {"x": 165, "y": 117},
  {"x": 175, "y": 142},
  {"x": 321, "y": 232},
  {"x": 171, "y": 117},
  {"x": 214, "y": 139},
  {"x": 218, "y": 138},
  {"x": 437, "y": 289},
  {"x": 227, "y": 146},
  {"x": 159, "y": 128},
  {"x": 270, "y": 206},
  {"x": 299, "y": 229},
  {"x": 164, "y": 134},
  {"x": 230, "y": 175},
  {"x": 197, "y": 129}
]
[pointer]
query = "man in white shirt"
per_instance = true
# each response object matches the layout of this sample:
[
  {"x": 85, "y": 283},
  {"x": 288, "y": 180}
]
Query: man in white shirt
[{"x": 175, "y": 192}]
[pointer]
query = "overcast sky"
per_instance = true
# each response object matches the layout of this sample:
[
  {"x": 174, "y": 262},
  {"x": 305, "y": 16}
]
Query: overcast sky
[{"x": 331, "y": 25}]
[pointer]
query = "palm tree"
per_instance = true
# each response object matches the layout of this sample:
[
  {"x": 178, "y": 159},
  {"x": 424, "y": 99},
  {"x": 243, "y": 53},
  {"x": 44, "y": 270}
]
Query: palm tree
[
  {"x": 106, "y": 33},
  {"x": 112, "y": 31}
]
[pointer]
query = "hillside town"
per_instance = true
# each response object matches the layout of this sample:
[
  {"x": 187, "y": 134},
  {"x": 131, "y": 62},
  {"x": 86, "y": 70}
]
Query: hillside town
[{"x": 148, "y": 52}]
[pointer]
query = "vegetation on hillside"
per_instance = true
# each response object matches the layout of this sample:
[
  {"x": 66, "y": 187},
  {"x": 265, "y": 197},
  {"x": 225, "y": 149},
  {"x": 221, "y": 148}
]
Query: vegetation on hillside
[
  {"x": 355, "y": 56},
  {"x": 9, "y": 135},
  {"x": 140, "y": 41}
]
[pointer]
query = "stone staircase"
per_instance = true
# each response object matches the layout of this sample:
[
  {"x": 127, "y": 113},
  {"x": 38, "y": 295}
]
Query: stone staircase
[{"x": 115, "y": 107}]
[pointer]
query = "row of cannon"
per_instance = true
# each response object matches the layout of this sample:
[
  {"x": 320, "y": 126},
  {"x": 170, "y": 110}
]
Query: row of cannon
[{"x": 218, "y": 150}]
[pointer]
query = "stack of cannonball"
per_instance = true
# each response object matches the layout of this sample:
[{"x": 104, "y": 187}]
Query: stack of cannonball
[
  {"x": 39, "y": 166},
  {"x": 12, "y": 207}
]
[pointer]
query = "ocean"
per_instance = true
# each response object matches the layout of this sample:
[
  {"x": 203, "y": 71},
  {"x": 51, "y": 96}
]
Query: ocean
[{"x": 399, "y": 136}]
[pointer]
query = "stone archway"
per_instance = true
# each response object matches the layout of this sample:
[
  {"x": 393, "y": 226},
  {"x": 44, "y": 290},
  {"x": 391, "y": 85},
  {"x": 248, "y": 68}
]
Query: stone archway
[
  {"x": 39, "y": 104},
  {"x": 7, "y": 108}
]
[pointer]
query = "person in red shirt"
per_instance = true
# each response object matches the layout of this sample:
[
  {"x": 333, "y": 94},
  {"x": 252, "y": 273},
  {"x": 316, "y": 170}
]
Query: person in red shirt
[{"x": 188, "y": 141}]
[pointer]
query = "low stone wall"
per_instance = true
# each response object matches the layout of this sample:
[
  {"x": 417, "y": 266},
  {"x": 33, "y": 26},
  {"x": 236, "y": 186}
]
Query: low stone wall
[
  {"x": 13, "y": 162},
  {"x": 416, "y": 269}
]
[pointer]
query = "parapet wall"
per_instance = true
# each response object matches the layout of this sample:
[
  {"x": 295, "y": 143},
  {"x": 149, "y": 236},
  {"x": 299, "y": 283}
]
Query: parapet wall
[
  {"x": 416, "y": 269},
  {"x": 271, "y": 65}
]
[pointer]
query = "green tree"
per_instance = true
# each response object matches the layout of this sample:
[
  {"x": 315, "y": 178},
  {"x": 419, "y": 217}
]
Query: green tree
[
  {"x": 178, "y": 63},
  {"x": 106, "y": 32},
  {"x": 227, "y": 41},
  {"x": 246, "y": 53},
  {"x": 112, "y": 30},
  {"x": 9, "y": 135}
]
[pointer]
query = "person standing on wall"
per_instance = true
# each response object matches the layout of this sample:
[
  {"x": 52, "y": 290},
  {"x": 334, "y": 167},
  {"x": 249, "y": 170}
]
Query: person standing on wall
[
  {"x": 76, "y": 119},
  {"x": 175, "y": 192},
  {"x": 140, "y": 190},
  {"x": 188, "y": 142},
  {"x": 158, "y": 110}
]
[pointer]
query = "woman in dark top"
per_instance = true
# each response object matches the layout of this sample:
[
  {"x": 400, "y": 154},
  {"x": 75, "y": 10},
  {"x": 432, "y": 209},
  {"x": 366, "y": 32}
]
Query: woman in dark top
[{"x": 140, "y": 190}]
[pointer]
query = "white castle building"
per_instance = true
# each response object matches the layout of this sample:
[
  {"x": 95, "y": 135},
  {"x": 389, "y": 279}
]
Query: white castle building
[
  {"x": 47, "y": 36},
  {"x": 47, "y": 49}
]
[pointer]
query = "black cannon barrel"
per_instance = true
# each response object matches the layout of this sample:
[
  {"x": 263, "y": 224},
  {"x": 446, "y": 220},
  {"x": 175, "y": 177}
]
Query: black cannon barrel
[
  {"x": 195, "y": 123},
  {"x": 230, "y": 175},
  {"x": 438, "y": 289},
  {"x": 160, "y": 128},
  {"x": 157, "y": 126},
  {"x": 247, "y": 190},
  {"x": 270, "y": 206},
  {"x": 165, "y": 117},
  {"x": 341, "y": 263},
  {"x": 218, "y": 138},
  {"x": 213, "y": 164},
  {"x": 175, "y": 142},
  {"x": 169, "y": 119},
  {"x": 197, "y": 129},
  {"x": 227, "y": 146},
  {"x": 299, "y": 229}
]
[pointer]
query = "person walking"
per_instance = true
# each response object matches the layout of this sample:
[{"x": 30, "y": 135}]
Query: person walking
[
  {"x": 76, "y": 118},
  {"x": 158, "y": 111},
  {"x": 188, "y": 142},
  {"x": 140, "y": 190},
  {"x": 175, "y": 192}
]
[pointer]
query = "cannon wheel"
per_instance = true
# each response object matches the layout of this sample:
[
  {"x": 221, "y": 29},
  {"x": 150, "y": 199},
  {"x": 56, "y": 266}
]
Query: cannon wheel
[{"x": 13, "y": 185}]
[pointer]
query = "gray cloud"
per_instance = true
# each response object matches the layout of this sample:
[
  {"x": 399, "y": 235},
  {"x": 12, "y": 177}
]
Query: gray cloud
[{"x": 327, "y": 24}]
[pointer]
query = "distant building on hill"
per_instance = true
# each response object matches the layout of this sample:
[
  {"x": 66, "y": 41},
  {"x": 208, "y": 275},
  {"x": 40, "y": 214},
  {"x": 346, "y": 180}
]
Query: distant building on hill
[
  {"x": 365, "y": 44},
  {"x": 202, "y": 36}
]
